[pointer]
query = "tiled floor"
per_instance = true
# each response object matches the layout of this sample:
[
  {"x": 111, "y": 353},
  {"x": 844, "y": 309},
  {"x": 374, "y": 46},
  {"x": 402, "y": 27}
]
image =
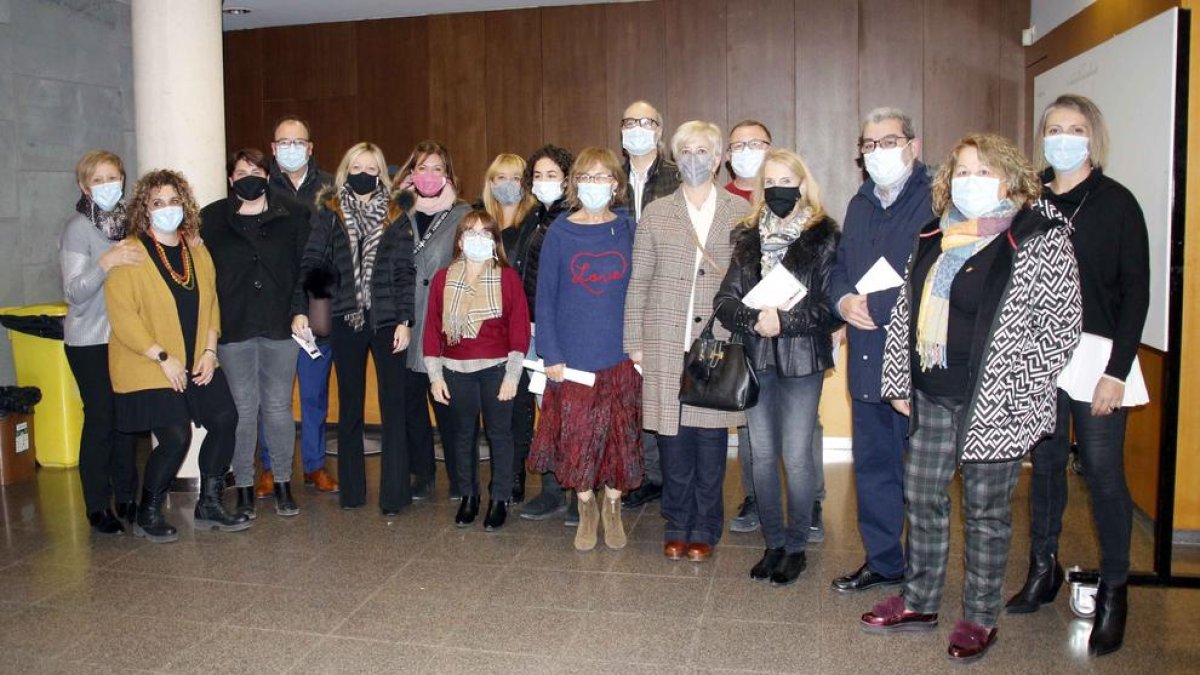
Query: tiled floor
[{"x": 333, "y": 591}]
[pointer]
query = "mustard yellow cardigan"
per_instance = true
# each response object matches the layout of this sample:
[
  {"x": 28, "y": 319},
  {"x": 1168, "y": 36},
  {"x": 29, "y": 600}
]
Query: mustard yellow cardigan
[{"x": 142, "y": 312}]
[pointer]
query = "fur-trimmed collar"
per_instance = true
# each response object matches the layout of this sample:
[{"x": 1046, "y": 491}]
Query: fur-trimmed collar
[
  {"x": 812, "y": 245},
  {"x": 328, "y": 198}
]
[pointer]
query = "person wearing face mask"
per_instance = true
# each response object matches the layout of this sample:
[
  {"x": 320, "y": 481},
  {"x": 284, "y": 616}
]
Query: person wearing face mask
[
  {"x": 432, "y": 210},
  {"x": 1111, "y": 246},
  {"x": 681, "y": 252},
  {"x": 790, "y": 349},
  {"x": 370, "y": 312},
  {"x": 163, "y": 354},
  {"x": 589, "y": 438},
  {"x": 93, "y": 243},
  {"x": 476, "y": 336},
  {"x": 882, "y": 222},
  {"x": 294, "y": 173},
  {"x": 256, "y": 240},
  {"x": 652, "y": 176},
  {"x": 987, "y": 318}
]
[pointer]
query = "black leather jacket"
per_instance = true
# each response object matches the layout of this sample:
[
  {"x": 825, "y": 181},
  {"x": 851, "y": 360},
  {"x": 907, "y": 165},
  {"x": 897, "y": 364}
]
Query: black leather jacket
[{"x": 804, "y": 345}]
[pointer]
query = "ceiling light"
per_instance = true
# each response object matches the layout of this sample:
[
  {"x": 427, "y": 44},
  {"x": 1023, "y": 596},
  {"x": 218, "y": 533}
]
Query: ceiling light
[{"x": 236, "y": 11}]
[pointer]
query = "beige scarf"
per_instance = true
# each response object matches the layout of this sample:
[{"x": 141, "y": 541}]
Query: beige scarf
[{"x": 466, "y": 305}]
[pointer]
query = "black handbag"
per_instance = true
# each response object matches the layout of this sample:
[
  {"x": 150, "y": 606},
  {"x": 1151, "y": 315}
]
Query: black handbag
[{"x": 718, "y": 374}]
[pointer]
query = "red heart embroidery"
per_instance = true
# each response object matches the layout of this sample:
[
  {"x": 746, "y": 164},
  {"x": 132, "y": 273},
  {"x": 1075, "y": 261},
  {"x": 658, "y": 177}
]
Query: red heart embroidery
[{"x": 593, "y": 270}]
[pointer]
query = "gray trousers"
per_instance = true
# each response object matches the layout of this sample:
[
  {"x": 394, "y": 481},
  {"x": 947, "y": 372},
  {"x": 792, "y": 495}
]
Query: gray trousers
[
  {"x": 987, "y": 515},
  {"x": 260, "y": 373},
  {"x": 746, "y": 460}
]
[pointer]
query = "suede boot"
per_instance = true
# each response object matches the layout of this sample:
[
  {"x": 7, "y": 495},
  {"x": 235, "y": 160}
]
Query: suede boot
[
  {"x": 614, "y": 530},
  {"x": 589, "y": 524}
]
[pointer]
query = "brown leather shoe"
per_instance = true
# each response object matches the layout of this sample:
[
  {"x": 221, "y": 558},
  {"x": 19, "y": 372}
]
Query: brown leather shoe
[
  {"x": 675, "y": 550},
  {"x": 265, "y": 487},
  {"x": 890, "y": 616},
  {"x": 969, "y": 641},
  {"x": 321, "y": 480},
  {"x": 699, "y": 552}
]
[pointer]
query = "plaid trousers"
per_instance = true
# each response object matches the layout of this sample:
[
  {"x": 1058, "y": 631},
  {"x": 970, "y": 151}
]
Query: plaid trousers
[{"x": 987, "y": 515}]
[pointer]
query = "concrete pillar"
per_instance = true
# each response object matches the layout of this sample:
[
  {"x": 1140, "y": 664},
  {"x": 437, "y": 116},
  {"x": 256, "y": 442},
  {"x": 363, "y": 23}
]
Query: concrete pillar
[{"x": 179, "y": 95}]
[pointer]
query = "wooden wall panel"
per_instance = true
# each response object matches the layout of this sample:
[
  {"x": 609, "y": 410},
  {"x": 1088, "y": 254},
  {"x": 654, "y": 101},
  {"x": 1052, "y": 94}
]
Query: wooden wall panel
[
  {"x": 962, "y": 83},
  {"x": 332, "y": 121},
  {"x": 635, "y": 61},
  {"x": 696, "y": 64},
  {"x": 393, "y": 84},
  {"x": 575, "y": 102},
  {"x": 244, "y": 123},
  {"x": 513, "y": 58},
  {"x": 827, "y": 98},
  {"x": 1014, "y": 15},
  {"x": 457, "y": 78},
  {"x": 310, "y": 62},
  {"x": 891, "y": 57},
  {"x": 761, "y": 66}
]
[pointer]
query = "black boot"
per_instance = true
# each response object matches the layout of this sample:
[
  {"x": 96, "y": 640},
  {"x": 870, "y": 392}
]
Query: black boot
[
  {"x": 245, "y": 502},
  {"x": 284, "y": 504},
  {"x": 104, "y": 522},
  {"x": 468, "y": 508},
  {"x": 1108, "y": 628},
  {"x": 789, "y": 569},
  {"x": 1045, "y": 578},
  {"x": 770, "y": 561},
  {"x": 519, "y": 487},
  {"x": 210, "y": 510},
  {"x": 150, "y": 521},
  {"x": 127, "y": 511},
  {"x": 497, "y": 513}
]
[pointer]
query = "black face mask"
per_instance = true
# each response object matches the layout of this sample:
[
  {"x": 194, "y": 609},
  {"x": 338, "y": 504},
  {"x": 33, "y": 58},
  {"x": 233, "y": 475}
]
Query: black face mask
[
  {"x": 781, "y": 200},
  {"x": 250, "y": 188},
  {"x": 362, "y": 183}
]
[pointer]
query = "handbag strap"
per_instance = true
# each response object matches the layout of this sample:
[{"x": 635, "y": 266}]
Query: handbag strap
[
  {"x": 700, "y": 246},
  {"x": 706, "y": 333}
]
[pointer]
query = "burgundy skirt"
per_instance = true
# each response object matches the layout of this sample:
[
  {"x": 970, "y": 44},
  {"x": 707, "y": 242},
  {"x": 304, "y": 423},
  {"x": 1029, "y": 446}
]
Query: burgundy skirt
[{"x": 591, "y": 437}]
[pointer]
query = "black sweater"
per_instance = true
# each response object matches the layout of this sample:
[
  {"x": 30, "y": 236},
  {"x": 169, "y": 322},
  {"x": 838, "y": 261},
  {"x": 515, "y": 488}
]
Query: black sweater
[
  {"x": 1113, "y": 250},
  {"x": 523, "y": 246}
]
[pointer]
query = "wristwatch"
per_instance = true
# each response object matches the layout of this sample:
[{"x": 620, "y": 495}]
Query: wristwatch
[{"x": 162, "y": 356}]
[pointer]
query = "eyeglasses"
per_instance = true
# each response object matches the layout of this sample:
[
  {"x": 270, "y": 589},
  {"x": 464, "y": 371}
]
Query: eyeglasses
[
  {"x": 289, "y": 143},
  {"x": 867, "y": 145},
  {"x": 643, "y": 122},
  {"x": 756, "y": 144},
  {"x": 594, "y": 178}
]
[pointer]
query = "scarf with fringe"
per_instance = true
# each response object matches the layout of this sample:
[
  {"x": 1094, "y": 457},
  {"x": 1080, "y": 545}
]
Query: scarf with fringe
[{"x": 466, "y": 305}]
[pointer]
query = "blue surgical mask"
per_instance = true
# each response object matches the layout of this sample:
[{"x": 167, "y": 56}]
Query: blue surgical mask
[
  {"x": 292, "y": 157},
  {"x": 167, "y": 219},
  {"x": 106, "y": 195},
  {"x": 1065, "y": 152},
  {"x": 638, "y": 141},
  {"x": 594, "y": 196},
  {"x": 507, "y": 192},
  {"x": 478, "y": 248},
  {"x": 975, "y": 196}
]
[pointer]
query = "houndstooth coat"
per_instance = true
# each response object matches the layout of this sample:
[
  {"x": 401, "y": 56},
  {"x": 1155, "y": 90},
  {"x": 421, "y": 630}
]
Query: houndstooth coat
[
  {"x": 1034, "y": 329},
  {"x": 664, "y": 254}
]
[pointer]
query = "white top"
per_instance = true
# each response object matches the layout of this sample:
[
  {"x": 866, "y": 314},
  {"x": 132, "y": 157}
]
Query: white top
[
  {"x": 702, "y": 219},
  {"x": 637, "y": 179}
]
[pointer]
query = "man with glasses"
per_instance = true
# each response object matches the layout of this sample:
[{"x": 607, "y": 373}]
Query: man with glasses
[
  {"x": 882, "y": 222},
  {"x": 294, "y": 174},
  {"x": 651, "y": 177},
  {"x": 749, "y": 141}
]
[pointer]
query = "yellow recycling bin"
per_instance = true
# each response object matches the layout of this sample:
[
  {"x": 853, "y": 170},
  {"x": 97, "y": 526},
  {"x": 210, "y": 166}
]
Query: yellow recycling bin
[{"x": 41, "y": 362}]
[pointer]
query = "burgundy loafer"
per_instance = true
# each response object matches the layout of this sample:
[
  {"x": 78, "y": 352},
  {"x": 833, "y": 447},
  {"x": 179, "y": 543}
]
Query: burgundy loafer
[
  {"x": 890, "y": 616},
  {"x": 969, "y": 642}
]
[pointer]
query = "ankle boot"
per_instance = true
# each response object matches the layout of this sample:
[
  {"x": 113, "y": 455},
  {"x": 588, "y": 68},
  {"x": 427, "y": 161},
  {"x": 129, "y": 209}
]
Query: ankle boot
[
  {"x": 1108, "y": 627},
  {"x": 468, "y": 509},
  {"x": 589, "y": 524},
  {"x": 519, "y": 487},
  {"x": 614, "y": 529},
  {"x": 245, "y": 502},
  {"x": 497, "y": 513},
  {"x": 104, "y": 522},
  {"x": 285, "y": 505},
  {"x": 127, "y": 511},
  {"x": 210, "y": 510},
  {"x": 1045, "y": 578},
  {"x": 150, "y": 521}
]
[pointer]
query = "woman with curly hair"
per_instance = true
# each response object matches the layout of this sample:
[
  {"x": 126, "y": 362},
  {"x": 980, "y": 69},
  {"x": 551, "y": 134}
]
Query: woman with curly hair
[
  {"x": 988, "y": 316},
  {"x": 163, "y": 355}
]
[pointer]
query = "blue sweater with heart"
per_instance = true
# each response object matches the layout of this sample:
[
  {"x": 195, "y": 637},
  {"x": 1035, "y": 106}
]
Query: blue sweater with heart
[{"x": 583, "y": 273}]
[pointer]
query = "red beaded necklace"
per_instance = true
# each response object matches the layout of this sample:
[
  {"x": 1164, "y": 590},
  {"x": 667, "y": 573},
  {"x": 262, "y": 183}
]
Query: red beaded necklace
[{"x": 184, "y": 279}]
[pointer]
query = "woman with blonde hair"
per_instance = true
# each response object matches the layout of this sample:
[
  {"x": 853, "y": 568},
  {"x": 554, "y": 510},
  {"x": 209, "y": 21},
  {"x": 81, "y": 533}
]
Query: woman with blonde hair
[
  {"x": 163, "y": 355},
  {"x": 790, "y": 348},
  {"x": 371, "y": 310},
  {"x": 988, "y": 315},
  {"x": 504, "y": 198}
]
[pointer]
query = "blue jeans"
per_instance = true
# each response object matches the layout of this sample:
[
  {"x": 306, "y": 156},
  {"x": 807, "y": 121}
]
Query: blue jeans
[
  {"x": 879, "y": 434},
  {"x": 781, "y": 426},
  {"x": 314, "y": 408},
  {"x": 693, "y": 471}
]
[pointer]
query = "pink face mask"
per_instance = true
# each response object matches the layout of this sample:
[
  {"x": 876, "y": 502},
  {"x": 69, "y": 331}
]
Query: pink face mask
[{"x": 427, "y": 184}]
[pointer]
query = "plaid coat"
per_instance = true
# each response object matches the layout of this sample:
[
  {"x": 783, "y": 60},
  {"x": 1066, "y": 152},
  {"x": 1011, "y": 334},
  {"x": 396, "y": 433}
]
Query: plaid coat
[{"x": 664, "y": 253}]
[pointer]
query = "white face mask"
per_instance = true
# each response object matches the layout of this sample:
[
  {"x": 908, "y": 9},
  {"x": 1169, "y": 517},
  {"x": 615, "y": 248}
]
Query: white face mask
[
  {"x": 885, "y": 166},
  {"x": 594, "y": 196},
  {"x": 1065, "y": 152},
  {"x": 106, "y": 195},
  {"x": 637, "y": 141},
  {"x": 747, "y": 162},
  {"x": 547, "y": 191},
  {"x": 167, "y": 219},
  {"x": 478, "y": 247},
  {"x": 975, "y": 196}
]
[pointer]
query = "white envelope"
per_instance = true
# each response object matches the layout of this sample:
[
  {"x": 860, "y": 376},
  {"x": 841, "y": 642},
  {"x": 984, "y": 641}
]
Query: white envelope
[
  {"x": 308, "y": 343},
  {"x": 880, "y": 277},
  {"x": 1086, "y": 366},
  {"x": 537, "y": 383},
  {"x": 780, "y": 288}
]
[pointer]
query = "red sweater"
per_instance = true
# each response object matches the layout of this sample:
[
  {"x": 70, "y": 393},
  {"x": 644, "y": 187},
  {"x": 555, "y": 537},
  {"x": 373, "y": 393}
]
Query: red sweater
[{"x": 497, "y": 337}]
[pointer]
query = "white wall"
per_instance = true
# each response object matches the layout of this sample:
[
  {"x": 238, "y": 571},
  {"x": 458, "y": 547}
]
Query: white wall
[{"x": 1046, "y": 15}]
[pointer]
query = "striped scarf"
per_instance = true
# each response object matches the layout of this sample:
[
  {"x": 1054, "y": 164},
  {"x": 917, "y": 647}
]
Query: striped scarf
[
  {"x": 364, "y": 227},
  {"x": 961, "y": 239},
  {"x": 465, "y": 306}
]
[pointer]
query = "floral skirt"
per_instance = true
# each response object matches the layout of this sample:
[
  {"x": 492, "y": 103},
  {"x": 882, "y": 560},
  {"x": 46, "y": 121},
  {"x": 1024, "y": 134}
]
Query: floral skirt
[{"x": 591, "y": 437}]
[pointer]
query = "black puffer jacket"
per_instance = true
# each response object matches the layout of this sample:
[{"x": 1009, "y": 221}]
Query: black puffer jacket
[
  {"x": 523, "y": 246},
  {"x": 804, "y": 345}
]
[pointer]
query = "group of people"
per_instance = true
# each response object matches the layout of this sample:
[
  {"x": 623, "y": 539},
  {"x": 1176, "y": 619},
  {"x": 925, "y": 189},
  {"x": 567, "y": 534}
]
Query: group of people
[{"x": 603, "y": 270}]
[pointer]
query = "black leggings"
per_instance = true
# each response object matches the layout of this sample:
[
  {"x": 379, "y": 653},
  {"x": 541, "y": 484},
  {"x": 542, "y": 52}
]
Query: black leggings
[{"x": 212, "y": 409}]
